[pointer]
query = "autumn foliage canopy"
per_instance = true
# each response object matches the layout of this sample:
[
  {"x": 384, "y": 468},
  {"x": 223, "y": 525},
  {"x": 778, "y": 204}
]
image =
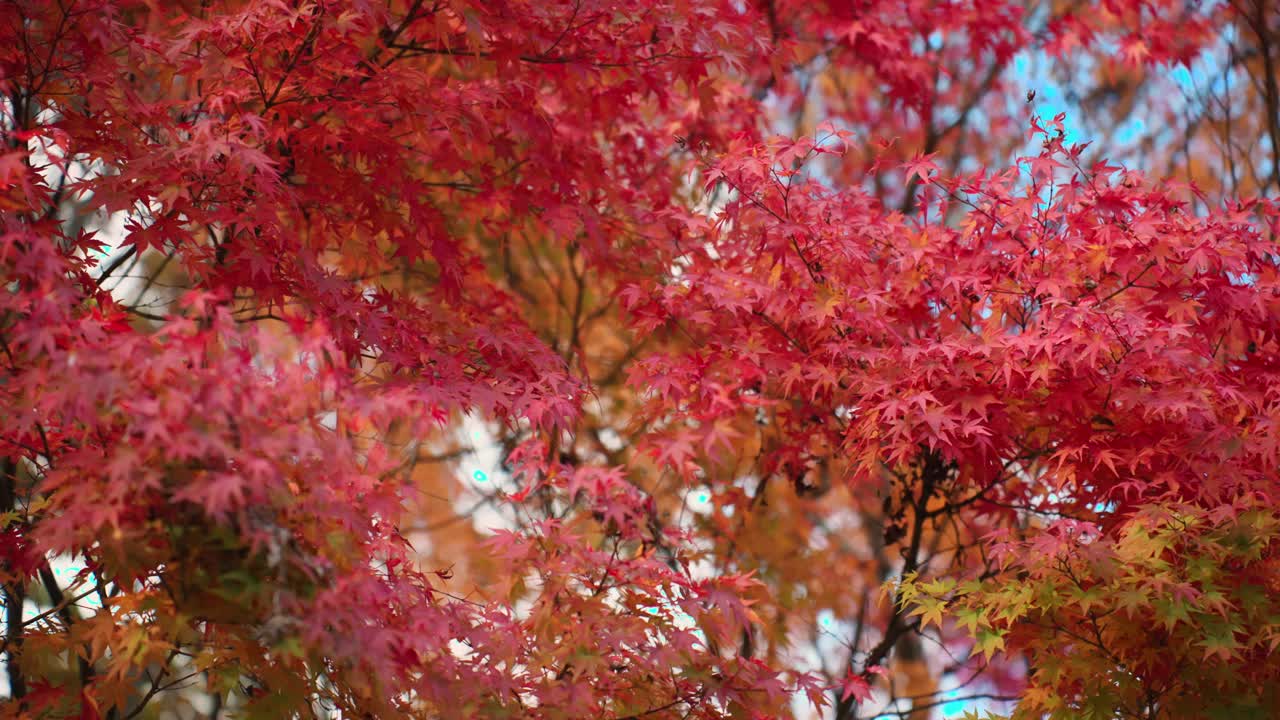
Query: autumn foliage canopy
[{"x": 668, "y": 360}]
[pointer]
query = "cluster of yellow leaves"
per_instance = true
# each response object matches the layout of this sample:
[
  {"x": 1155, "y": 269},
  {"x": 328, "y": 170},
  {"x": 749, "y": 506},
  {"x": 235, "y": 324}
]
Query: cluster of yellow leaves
[{"x": 1175, "y": 613}]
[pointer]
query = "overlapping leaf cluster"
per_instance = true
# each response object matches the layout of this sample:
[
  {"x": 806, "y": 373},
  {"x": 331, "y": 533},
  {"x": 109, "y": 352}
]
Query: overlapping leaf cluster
[{"x": 261, "y": 259}]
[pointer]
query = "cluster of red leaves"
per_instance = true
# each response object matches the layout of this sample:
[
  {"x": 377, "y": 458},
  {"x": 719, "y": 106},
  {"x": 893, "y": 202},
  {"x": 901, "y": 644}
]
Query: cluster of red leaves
[
  {"x": 1075, "y": 343},
  {"x": 349, "y": 171},
  {"x": 221, "y": 477},
  {"x": 1092, "y": 324}
]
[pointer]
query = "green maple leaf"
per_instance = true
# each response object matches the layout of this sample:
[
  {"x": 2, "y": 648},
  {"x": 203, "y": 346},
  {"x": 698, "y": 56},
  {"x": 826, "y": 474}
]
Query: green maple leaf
[{"x": 989, "y": 641}]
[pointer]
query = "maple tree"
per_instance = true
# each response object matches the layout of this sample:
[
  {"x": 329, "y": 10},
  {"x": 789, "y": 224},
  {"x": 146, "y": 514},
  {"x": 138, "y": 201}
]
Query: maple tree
[{"x": 680, "y": 359}]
